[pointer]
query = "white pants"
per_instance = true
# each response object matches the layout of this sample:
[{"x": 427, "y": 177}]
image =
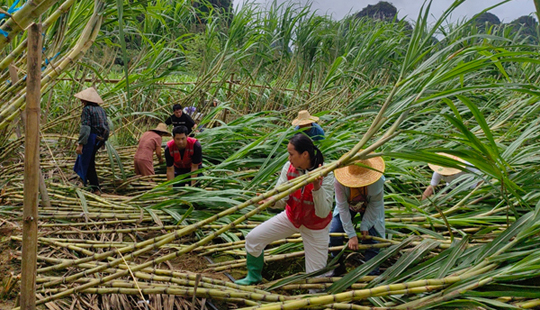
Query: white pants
[{"x": 279, "y": 227}]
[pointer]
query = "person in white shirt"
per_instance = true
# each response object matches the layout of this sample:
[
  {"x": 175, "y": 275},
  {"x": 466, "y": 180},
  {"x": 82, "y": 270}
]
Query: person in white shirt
[
  {"x": 307, "y": 211},
  {"x": 448, "y": 174}
]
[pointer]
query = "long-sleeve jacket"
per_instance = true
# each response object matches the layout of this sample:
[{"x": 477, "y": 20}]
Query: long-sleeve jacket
[
  {"x": 322, "y": 198},
  {"x": 93, "y": 120},
  {"x": 374, "y": 215}
]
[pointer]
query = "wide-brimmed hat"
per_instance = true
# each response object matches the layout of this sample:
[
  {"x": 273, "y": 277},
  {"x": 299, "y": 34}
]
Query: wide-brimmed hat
[
  {"x": 446, "y": 170},
  {"x": 358, "y": 174},
  {"x": 304, "y": 118},
  {"x": 90, "y": 94},
  {"x": 161, "y": 128}
]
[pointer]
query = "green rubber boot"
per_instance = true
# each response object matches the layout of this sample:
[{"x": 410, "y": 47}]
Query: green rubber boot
[{"x": 254, "y": 267}]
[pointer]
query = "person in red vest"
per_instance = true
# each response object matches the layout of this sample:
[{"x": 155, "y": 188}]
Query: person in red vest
[
  {"x": 183, "y": 155},
  {"x": 307, "y": 210}
]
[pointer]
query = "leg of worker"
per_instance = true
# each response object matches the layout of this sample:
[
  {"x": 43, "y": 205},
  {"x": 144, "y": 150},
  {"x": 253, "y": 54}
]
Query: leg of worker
[
  {"x": 276, "y": 228},
  {"x": 92, "y": 174},
  {"x": 315, "y": 247},
  {"x": 145, "y": 167}
]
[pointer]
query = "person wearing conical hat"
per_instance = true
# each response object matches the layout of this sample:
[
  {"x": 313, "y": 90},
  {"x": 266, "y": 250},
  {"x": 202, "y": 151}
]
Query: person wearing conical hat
[
  {"x": 309, "y": 126},
  {"x": 149, "y": 143},
  {"x": 92, "y": 136},
  {"x": 447, "y": 174},
  {"x": 359, "y": 189},
  {"x": 307, "y": 211}
]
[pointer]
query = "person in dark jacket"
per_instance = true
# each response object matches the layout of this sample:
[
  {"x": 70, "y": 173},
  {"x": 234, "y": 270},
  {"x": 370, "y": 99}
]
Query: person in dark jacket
[
  {"x": 92, "y": 136},
  {"x": 179, "y": 118}
]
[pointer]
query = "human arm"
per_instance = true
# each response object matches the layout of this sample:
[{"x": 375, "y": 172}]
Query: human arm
[
  {"x": 84, "y": 132},
  {"x": 159, "y": 156},
  {"x": 342, "y": 206},
  {"x": 374, "y": 214},
  {"x": 170, "y": 173},
  {"x": 194, "y": 167},
  {"x": 196, "y": 160},
  {"x": 170, "y": 164},
  {"x": 435, "y": 179},
  {"x": 157, "y": 147},
  {"x": 323, "y": 195}
]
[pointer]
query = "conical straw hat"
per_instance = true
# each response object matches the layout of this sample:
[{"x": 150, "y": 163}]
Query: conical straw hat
[
  {"x": 161, "y": 127},
  {"x": 304, "y": 118},
  {"x": 358, "y": 174},
  {"x": 446, "y": 170},
  {"x": 89, "y": 94}
]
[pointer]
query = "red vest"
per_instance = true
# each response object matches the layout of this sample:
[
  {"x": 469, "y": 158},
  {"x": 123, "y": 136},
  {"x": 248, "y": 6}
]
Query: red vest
[
  {"x": 300, "y": 207},
  {"x": 185, "y": 161}
]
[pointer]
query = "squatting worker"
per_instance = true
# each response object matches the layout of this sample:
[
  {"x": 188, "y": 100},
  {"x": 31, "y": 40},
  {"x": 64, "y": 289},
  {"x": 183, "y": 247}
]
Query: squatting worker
[
  {"x": 92, "y": 136},
  {"x": 308, "y": 124},
  {"x": 149, "y": 143},
  {"x": 179, "y": 118},
  {"x": 307, "y": 211},
  {"x": 448, "y": 174},
  {"x": 359, "y": 190},
  {"x": 183, "y": 155}
]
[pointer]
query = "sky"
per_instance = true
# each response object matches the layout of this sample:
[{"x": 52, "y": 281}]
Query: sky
[{"x": 409, "y": 9}]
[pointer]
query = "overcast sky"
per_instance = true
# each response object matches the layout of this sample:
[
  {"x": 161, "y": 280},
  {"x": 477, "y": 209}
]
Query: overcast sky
[{"x": 410, "y": 8}]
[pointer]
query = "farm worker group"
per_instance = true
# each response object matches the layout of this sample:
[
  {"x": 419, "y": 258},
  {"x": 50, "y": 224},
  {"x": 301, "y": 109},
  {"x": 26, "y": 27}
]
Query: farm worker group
[
  {"x": 358, "y": 188},
  {"x": 183, "y": 154}
]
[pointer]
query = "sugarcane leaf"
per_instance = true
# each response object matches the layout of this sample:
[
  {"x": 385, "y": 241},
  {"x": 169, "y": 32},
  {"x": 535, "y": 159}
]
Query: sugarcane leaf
[
  {"x": 298, "y": 277},
  {"x": 154, "y": 216},
  {"x": 502, "y": 239},
  {"x": 353, "y": 276},
  {"x": 457, "y": 252},
  {"x": 84, "y": 204},
  {"x": 423, "y": 248},
  {"x": 483, "y": 124},
  {"x": 111, "y": 151}
]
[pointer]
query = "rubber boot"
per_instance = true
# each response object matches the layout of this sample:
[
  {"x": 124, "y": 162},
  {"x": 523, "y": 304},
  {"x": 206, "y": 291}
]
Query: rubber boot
[{"x": 254, "y": 267}]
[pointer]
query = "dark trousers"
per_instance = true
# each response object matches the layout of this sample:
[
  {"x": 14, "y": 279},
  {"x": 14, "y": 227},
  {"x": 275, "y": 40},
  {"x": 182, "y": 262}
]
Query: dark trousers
[
  {"x": 337, "y": 227},
  {"x": 91, "y": 175}
]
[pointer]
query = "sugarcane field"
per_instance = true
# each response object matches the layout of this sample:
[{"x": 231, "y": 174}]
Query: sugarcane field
[{"x": 220, "y": 154}]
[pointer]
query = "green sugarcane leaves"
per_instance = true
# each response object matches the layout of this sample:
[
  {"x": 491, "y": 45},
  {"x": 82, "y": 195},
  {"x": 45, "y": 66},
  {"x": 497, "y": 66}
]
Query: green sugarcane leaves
[{"x": 353, "y": 276}]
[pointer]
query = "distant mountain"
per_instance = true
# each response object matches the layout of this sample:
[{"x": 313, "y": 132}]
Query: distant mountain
[
  {"x": 382, "y": 10},
  {"x": 526, "y": 25},
  {"x": 487, "y": 18}
]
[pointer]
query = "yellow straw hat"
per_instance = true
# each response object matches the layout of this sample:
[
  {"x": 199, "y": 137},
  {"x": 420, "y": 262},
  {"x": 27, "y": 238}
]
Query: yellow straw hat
[
  {"x": 161, "y": 127},
  {"x": 358, "y": 175},
  {"x": 90, "y": 94},
  {"x": 446, "y": 170},
  {"x": 304, "y": 118}
]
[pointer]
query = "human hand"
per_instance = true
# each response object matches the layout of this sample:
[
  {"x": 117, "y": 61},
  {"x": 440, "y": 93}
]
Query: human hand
[
  {"x": 365, "y": 234},
  {"x": 79, "y": 149},
  {"x": 428, "y": 192},
  {"x": 317, "y": 183},
  {"x": 161, "y": 161},
  {"x": 353, "y": 243}
]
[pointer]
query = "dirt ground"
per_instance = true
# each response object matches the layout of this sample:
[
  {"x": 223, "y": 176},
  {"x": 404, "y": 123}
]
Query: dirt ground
[{"x": 9, "y": 268}]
